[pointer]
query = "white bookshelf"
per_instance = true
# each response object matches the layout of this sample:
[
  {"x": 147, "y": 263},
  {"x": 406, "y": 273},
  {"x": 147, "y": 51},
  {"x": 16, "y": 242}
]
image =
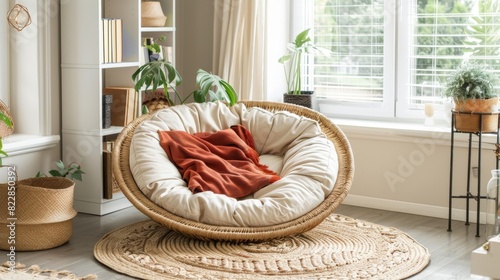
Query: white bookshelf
[{"x": 83, "y": 77}]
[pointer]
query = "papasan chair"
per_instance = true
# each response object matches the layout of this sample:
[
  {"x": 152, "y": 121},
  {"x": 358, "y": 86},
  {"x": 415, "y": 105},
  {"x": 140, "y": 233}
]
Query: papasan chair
[{"x": 309, "y": 190}]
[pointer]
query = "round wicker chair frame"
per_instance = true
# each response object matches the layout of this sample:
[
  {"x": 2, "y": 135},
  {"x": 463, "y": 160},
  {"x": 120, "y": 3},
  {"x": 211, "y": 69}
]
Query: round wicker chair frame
[{"x": 127, "y": 184}]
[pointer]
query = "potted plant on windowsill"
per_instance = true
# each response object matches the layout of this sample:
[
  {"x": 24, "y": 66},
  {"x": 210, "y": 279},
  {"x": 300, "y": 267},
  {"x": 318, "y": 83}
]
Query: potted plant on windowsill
[
  {"x": 292, "y": 66},
  {"x": 472, "y": 88},
  {"x": 162, "y": 73},
  {"x": 43, "y": 208}
]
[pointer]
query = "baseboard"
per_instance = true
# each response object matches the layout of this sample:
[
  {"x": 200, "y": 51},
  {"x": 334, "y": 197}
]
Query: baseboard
[{"x": 410, "y": 208}]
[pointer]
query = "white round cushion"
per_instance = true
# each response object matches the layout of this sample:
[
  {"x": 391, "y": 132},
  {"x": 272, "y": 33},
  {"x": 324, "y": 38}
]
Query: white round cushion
[{"x": 293, "y": 146}]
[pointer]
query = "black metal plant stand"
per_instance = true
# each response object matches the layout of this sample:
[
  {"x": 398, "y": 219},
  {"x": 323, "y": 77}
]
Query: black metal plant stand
[{"x": 468, "y": 195}]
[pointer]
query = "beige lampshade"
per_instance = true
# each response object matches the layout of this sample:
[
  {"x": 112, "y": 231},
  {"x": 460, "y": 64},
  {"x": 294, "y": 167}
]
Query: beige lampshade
[{"x": 152, "y": 14}]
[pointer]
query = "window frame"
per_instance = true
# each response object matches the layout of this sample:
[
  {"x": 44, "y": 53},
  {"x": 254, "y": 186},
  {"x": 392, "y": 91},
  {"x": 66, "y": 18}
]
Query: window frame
[
  {"x": 386, "y": 110},
  {"x": 397, "y": 78}
]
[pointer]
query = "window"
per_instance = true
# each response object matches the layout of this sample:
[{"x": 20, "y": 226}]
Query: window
[{"x": 373, "y": 74}]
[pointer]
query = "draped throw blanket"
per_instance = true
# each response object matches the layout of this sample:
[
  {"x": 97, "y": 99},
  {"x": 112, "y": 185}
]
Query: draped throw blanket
[{"x": 224, "y": 162}]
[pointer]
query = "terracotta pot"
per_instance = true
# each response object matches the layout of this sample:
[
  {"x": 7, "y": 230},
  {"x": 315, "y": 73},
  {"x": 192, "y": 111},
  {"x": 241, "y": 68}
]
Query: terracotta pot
[{"x": 467, "y": 121}]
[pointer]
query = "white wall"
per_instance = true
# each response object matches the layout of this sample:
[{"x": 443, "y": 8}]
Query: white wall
[
  {"x": 4, "y": 55},
  {"x": 194, "y": 40},
  {"x": 33, "y": 88},
  {"x": 277, "y": 37},
  {"x": 408, "y": 171}
]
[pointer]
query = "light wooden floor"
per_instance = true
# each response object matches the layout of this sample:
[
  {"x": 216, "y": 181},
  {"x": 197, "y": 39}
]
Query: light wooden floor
[{"x": 450, "y": 251}]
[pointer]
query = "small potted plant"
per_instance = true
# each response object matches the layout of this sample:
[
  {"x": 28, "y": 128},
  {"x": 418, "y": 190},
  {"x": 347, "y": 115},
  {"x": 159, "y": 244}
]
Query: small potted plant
[
  {"x": 292, "y": 66},
  {"x": 472, "y": 88},
  {"x": 43, "y": 208},
  {"x": 6, "y": 121},
  {"x": 162, "y": 73}
]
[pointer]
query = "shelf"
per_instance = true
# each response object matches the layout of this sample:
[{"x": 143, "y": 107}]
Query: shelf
[
  {"x": 120, "y": 65},
  {"x": 157, "y": 29},
  {"x": 83, "y": 78},
  {"x": 100, "y": 133}
]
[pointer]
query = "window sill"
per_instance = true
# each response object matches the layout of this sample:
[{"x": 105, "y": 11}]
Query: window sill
[
  {"x": 18, "y": 144},
  {"x": 406, "y": 132}
]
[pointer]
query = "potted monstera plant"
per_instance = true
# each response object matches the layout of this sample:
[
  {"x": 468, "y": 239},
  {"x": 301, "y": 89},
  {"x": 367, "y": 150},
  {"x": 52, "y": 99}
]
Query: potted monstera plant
[
  {"x": 162, "y": 73},
  {"x": 292, "y": 66},
  {"x": 472, "y": 88}
]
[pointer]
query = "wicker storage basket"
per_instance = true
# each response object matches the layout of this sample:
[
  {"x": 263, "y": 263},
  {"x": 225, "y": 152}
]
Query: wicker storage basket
[
  {"x": 152, "y": 14},
  {"x": 467, "y": 121},
  {"x": 42, "y": 213}
]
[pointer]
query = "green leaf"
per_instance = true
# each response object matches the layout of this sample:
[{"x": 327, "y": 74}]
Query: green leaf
[
  {"x": 145, "y": 109},
  {"x": 213, "y": 88},
  {"x": 40, "y": 175},
  {"x": 230, "y": 92},
  {"x": 302, "y": 38},
  {"x": 4, "y": 118},
  {"x": 60, "y": 165},
  {"x": 76, "y": 175},
  {"x": 56, "y": 173},
  {"x": 284, "y": 58},
  {"x": 198, "y": 96},
  {"x": 302, "y": 44},
  {"x": 156, "y": 74}
]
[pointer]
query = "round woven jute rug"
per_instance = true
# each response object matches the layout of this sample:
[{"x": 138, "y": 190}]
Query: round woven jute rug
[{"x": 339, "y": 248}]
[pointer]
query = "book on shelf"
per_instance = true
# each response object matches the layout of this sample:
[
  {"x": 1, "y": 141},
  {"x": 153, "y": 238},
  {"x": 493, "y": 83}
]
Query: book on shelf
[
  {"x": 112, "y": 40},
  {"x": 167, "y": 53},
  {"x": 105, "y": 41},
  {"x": 123, "y": 106},
  {"x": 144, "y": 56},
  {"x": 109, "y": 185}
]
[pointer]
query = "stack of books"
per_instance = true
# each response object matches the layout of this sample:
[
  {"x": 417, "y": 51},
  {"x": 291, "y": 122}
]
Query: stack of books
[
  {"x": 124, "y": 107},
  {"x": 112, "y": 40},
  {"x": 166, "y": 52}
]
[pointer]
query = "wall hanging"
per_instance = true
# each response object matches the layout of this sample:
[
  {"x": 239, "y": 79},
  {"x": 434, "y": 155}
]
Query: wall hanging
[{"x": 19, "y": 17}]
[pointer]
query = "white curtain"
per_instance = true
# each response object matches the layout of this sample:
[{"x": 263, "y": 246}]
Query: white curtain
[{"x": 239, "y": 33}]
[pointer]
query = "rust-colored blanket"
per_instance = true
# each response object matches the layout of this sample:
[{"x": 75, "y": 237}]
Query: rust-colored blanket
[{"x": 224, "y": 162}]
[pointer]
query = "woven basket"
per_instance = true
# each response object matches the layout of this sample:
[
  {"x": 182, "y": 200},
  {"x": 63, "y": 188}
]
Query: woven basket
[
  {"x": 305, "y": 99},
  {"x": 156, "y": 103},
  {"x": 43, "y": 213},
  {"x": 4, "y": 129},
  {"x": 152, "y": 14},
  {"x": 467, "y": 119}
]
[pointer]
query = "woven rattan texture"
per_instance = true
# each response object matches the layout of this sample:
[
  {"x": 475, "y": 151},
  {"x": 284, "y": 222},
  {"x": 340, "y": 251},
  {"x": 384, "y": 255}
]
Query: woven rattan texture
[
  {"x": 43, "y": 212},
  {"x": 339, "y": 248},
  {"x": 125, "y": 180}
]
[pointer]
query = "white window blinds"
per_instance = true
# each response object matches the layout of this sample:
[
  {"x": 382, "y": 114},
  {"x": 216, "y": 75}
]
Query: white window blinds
[
  {"x": 443, "y": 35},
  {"x": 372, "y": 74}
]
